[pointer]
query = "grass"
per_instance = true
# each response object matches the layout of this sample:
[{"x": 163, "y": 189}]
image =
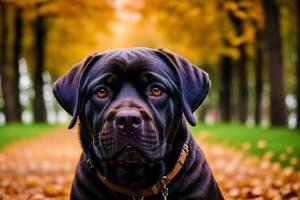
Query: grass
[
  {"x": 15, "y": 132},
  {"x": 283, "y": 143}
]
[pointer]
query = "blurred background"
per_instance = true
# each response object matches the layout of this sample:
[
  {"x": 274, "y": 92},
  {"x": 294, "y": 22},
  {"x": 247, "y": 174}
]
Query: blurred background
[{"x": 250, "y": 48}]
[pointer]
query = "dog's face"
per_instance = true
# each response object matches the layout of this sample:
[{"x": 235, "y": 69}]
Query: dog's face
[
  {"x": 132, "y": 102},
  {"x": 130, "y": 107}
]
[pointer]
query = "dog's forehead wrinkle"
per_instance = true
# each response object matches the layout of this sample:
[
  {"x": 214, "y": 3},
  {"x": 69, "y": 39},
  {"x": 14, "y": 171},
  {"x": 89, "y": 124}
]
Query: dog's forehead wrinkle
[
  {"x": 132, "y": 53},
  {"x": 131, "y": 58},
  {"x": 127, "y": 103},
  {"x": 128, "y": 92},
  {"x": 125, "y": 57},
  {"x": 95, "y": 80}
]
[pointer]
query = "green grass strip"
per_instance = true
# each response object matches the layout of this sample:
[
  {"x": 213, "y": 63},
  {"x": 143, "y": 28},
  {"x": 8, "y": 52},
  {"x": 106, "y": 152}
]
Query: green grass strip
[
  {"x": 283, "y": 143},
  {"x": 14, "y": 132}
]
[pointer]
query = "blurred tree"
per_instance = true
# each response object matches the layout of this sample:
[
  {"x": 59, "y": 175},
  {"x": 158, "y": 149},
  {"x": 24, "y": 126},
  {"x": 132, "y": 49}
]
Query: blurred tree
[
  {"x": 247, "y": 20},
  {"x": 275, "y": 63},
  {"x": 298, "y": 65},
  {"x": 40, "y": 30},
  {"x": 258, "y": 74},
  {"x": 226, "y": 88},
  {"x": 256, "y": 20},
  {"x": 3, "y": 60},
  {"x": 226, "y": 72},
  {"x": 8, "y": 73},
  {"x": 238, "y": 21},
  {"x": 18, "y": 36}
]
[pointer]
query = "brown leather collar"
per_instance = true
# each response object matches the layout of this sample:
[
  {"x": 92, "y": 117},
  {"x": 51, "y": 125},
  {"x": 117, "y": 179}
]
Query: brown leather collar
[{"x": 161, "y": 184}]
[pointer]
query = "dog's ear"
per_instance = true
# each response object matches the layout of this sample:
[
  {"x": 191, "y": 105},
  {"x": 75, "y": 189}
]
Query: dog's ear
[
  {"x": 67, "y": 88},
  {"x": 194, "y": 83}
]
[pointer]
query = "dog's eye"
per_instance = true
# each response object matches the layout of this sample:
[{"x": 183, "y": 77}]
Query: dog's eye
[
  {"x": 155, "y": 91},
  {"x": 102, "y": 93}
]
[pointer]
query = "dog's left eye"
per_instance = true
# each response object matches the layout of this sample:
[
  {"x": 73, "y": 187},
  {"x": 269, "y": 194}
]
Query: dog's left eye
[
  {"x": 155, "y": 91},
  {"x": 102, "y": 92}
]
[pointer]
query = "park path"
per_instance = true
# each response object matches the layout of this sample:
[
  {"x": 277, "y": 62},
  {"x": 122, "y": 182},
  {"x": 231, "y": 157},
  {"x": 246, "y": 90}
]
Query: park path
[{"x": 43, "y": 168}]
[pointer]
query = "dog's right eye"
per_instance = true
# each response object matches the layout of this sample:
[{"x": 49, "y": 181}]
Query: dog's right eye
[{"x": 102, "y": 92}]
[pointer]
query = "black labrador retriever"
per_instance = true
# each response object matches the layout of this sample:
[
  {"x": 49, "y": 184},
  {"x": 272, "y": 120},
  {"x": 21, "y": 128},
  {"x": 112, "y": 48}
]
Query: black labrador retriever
[{"x": 132, "y": 106}]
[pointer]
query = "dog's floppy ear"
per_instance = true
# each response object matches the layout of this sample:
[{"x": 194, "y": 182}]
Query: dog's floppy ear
[
  {"x": 194, "y": 84},
  {"x": 67, "y": 88}
]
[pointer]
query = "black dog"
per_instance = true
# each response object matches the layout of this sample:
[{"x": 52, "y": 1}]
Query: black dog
[{"x": 132, "y": 106}]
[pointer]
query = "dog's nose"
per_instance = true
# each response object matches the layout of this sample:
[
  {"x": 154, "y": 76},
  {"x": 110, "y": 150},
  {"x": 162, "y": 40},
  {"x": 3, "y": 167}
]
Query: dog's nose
[{"x": 128, "y": 121}]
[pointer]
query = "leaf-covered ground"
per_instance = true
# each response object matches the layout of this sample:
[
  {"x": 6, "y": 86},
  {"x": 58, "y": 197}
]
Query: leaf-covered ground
[
  {"x": 43, "y": 168},
  {"x": 40, "y": 168}
]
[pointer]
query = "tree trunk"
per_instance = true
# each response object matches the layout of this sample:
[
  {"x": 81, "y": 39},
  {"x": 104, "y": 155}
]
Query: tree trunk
[
  {"x": 258, "y": 77},
  {"x": 298, "y": 67},
  {"x": 243, "y": 85},
  {"x": 242, "y": 72},
  {"x": 225, "y": 89},
  {"x": 17, "y": 55},
  {"x": 275, "y": 63},
  {"x": 39, "y": 103},
  {"x": 6, "y": 71}
]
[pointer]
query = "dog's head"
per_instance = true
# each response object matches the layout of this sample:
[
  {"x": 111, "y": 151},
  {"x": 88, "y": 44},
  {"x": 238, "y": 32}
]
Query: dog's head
[{"x": 131, "y": 101}]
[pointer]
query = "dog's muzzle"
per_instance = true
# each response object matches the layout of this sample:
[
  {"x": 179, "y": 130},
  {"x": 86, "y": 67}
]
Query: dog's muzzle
[{"x": 128, "y": 129}]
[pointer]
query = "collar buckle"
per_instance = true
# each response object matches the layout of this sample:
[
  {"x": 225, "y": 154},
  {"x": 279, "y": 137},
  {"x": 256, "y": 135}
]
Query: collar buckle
[{"x": 165, "y": 181}]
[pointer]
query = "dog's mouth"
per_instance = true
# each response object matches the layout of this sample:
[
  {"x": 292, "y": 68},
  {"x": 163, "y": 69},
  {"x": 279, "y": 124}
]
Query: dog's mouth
[
  {"x": 126, "y": 148},
  {"x": 129, "y": 155}
]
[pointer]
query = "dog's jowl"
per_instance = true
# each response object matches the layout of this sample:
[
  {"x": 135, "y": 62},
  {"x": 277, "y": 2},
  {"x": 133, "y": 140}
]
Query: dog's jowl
[{"x": 132, "y": 106}]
